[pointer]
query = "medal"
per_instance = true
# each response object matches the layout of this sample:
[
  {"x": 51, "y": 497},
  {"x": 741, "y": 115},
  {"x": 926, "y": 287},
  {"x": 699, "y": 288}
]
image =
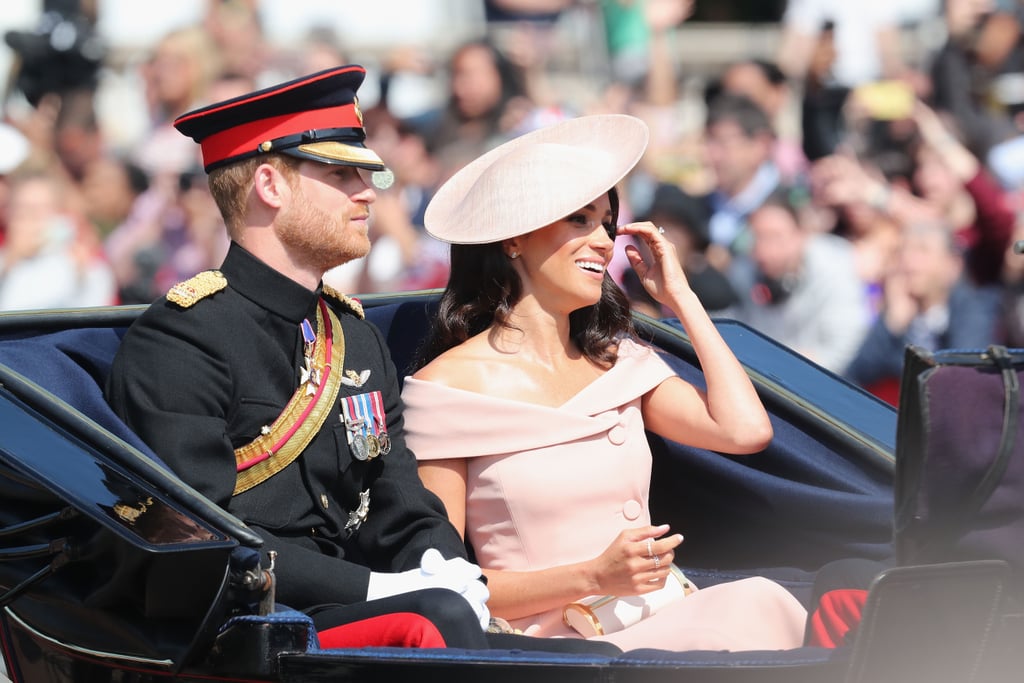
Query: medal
[
  {"x": 360, "y": 447},
  {"x": 358, "y": 516},
  {"x": 310, "y": 375},
  {"x": 373, "y": 446},
  {"x": 363, "y": 417}
]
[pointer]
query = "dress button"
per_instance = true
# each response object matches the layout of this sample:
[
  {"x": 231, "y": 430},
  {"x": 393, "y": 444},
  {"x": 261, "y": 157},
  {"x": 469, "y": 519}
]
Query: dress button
[
  {"x": 631, "y": 509},
  {"x": 617, "y": 435}
]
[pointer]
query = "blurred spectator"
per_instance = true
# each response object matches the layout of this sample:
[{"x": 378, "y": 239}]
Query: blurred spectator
[
  {"x": 321, "y": 49},
  {"x": 633, "y": 30},
  {"x": 14, "y": 150},
  {"x": 171, "y": 234},
  {"x": 684, "y": 219},
  {"x": 527, "y": 33},
  {"x": 764, "y": 83},
  {"x": 949, "y": 184},
  {"x": 109, "y": 188},
  {"x": 866, "y": 39},
  {"x": 403, "y": 256},
  {"x": 983, "y": 42},
  {"x": 77, "y": 139},
  {"x": 800, "y": 287},
  {"x": 50, "y": 258},
  {"x": 1011, "y": 323},
  {"x": 965, "y": 194},
  {"x": 486, "y": 99},
  {"x": 650, "y": 89},
  {"x": 927, "y": 303},
  {"x": 237, "y": 33},
  {"x": 873, "y": 234},
  {"x": 524, "y": 10},
  {"x": 821, "y": 106},
  {"x": 739, "y": 140},
  {"x": 176, "y": 77}
]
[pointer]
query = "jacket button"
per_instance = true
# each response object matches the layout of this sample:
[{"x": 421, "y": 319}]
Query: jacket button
[
  {"x": 324, "y": 501},
  {"x": 631, "y": 509},
  {"x": 617, "y": 435}
]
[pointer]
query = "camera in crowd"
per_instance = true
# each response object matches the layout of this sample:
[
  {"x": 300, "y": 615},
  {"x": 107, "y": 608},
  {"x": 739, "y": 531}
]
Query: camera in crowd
[{"x": 61, "y": 54}]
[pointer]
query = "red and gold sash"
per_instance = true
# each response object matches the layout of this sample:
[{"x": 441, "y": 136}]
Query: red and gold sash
[{"x": 279, "y": 444}]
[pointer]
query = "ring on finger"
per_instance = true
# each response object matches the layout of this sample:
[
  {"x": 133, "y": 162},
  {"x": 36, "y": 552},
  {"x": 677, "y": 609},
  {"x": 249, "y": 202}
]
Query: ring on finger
[
  {"x": 661, "y": 230},
  {"x": 657, "y": 562},
  {"x": 650, "y": 549}
]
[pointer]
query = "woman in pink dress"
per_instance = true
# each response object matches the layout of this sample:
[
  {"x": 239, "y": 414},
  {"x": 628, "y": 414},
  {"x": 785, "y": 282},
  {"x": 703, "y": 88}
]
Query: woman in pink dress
[{"x": 529, "y": 418}]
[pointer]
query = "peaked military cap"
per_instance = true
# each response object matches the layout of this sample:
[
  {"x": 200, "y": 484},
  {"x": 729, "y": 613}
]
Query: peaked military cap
[{"x": 315, "y": 117}]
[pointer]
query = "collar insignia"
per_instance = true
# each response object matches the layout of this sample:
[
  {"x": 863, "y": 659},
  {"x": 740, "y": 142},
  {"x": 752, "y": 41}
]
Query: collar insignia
[{"x": 352, "y": 304}]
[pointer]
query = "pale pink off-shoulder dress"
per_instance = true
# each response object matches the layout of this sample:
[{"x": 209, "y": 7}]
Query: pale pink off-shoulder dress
[{"x": 551, "y": 486}]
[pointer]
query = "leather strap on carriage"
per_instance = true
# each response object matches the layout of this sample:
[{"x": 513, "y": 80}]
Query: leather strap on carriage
[
  {"x": 282, "y": 442},
  {"x": 1011, "y": 416}
]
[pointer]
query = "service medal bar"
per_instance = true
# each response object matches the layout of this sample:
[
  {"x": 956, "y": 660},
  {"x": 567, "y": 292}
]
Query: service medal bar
[{"x": 366, "y": 425}]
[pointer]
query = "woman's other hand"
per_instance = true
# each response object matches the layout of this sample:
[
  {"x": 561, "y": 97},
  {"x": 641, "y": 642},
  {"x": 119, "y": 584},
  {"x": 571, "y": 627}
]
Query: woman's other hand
[{"x": 638, "y": 561}]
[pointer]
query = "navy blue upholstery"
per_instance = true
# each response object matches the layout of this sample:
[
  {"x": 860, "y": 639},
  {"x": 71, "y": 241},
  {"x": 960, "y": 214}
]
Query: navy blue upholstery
[{"x": 73, "y": 365}]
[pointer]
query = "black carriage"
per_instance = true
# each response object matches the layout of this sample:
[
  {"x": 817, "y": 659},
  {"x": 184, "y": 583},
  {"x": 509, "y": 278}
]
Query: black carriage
[{"x": 113, "y": 569}]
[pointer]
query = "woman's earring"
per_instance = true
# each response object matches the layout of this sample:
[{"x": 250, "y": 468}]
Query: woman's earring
[{"x": 513, "y": 254}]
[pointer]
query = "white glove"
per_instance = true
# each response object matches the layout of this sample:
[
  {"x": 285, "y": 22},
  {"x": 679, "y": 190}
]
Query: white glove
[
  {"x": 461, "y": 571},
  {"x": 436, "y": 572}
]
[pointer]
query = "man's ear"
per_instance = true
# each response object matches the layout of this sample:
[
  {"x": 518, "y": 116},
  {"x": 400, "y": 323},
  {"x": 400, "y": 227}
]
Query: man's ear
[{"x": 270, "y": 185}]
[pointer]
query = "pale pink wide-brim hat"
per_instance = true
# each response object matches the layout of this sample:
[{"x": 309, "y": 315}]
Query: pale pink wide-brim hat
[{"x": 536, "y": 179}]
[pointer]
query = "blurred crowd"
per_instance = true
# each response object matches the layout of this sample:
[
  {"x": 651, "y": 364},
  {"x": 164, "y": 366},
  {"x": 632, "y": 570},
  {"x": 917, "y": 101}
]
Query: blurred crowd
[{"x": 847, "y": 194}]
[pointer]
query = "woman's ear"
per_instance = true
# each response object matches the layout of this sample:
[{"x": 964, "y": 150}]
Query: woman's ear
[
  {"x": 270, "y": 185},
  {"x": 511, "y": 247}
]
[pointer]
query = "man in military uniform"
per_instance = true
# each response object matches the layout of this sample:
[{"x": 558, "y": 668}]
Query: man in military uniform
[{"x": 268, "y": 392}]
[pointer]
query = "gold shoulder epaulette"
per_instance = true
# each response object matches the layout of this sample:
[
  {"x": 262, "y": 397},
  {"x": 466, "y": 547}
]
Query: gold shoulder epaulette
[
  {"x": 196, "y": 288},
  {"x": 351, "y": 303}
]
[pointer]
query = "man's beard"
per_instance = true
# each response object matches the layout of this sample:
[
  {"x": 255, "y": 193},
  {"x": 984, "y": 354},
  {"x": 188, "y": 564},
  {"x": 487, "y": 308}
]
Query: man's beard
[{"x": 318, "y": 239}]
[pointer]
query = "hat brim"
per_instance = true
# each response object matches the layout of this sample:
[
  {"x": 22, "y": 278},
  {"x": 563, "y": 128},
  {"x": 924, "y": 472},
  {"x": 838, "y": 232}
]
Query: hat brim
[
  {"x": 536, "y": 179},
  {"x": 334, "y": 152}
]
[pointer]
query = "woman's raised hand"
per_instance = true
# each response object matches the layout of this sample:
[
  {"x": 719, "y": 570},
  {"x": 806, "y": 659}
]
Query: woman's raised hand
[{"x": 663, "y": 277}]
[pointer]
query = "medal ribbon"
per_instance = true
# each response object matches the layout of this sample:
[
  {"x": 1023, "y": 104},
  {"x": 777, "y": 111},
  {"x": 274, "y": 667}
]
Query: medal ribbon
[
  {"x": 366, "y": 425},
  {"x": 364, "y": 413},
  {"x": 303, "y": 416}
]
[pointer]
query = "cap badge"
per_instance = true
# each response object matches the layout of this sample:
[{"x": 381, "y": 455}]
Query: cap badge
[{"x": 358, "y": 111}]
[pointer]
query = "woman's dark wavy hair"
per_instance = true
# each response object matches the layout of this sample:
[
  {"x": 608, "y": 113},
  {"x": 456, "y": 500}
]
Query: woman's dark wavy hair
[{"x": 483, "y": 286}]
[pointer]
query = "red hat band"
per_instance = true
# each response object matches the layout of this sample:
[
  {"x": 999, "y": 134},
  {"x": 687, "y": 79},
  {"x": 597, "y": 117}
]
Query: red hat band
[{"x": 247, "y": 138}]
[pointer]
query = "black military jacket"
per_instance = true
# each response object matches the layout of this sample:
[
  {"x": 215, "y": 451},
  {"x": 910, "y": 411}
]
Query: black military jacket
[{"x": 197, "y": 382}]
